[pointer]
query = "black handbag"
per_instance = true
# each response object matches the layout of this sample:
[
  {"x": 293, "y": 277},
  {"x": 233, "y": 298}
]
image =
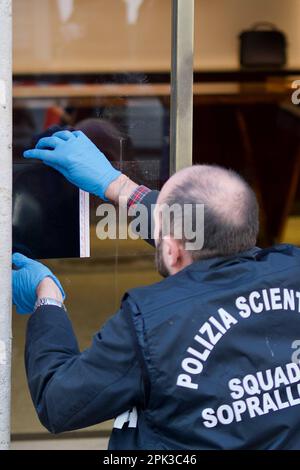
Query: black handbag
[{"x": 263, "y": 46}]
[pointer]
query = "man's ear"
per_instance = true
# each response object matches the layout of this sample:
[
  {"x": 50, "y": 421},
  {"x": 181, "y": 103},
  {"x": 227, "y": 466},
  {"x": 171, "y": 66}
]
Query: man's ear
[
  {"x": 175, "y": 255},
  {"x": 171, "y": 251}
]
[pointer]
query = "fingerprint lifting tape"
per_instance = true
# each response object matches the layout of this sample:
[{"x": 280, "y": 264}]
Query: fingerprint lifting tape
[{"x": 50, "y": 215}]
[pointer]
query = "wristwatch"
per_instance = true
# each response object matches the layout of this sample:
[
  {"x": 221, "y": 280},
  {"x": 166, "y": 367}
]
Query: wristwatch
[{"x": 48, "y": 301}]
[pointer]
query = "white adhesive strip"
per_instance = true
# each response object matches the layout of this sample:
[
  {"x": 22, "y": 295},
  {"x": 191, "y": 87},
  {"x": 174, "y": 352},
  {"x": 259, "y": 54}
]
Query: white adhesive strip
[{"x": 84, "y": 219}]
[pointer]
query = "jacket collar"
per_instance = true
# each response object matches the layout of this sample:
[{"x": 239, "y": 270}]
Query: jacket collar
[{"x": 206, "y": 264}]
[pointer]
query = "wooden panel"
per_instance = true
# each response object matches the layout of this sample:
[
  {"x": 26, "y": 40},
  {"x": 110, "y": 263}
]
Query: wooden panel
[{"x": 218, "y": 91}]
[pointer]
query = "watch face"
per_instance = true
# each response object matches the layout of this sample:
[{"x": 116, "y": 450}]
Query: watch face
[
  {"x": 46, "y": 301},
  {"x": 41, "y": 302}
]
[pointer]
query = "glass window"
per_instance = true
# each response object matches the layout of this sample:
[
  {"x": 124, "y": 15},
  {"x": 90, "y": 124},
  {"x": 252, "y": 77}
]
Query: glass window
[
  {"x": 104, "y": 67},
  {"x": 96, "y": 66}
]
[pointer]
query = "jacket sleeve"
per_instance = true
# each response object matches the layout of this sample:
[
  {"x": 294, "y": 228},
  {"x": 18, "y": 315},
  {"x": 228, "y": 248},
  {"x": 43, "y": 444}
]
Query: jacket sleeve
[
  {"x": 72, "y": 389},
  {"x": 149, "y": 202}
]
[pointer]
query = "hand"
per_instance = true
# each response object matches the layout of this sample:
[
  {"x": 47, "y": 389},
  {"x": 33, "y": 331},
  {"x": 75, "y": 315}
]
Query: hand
[
  {"x": 48, "y": 288},
  {"x": 121, "y": 189},
  {"x": 78, "y": 159},
  {"x": 26, "y": 280}
]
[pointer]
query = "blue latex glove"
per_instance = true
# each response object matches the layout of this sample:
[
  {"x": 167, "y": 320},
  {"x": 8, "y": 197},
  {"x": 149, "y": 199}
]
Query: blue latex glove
[
  {"x": 75, "y": 156},
  {"x": 26, "y": 280}
]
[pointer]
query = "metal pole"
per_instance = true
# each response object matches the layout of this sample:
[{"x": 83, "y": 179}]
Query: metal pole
[
  {"x": 181, "y": 132},
  {"x": 5, "y": 217}
]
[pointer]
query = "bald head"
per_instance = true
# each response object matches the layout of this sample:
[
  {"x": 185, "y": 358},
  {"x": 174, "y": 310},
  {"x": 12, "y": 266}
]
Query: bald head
[
  {"x": 231, "y": 211},
  {"x": 222, "y": 190}
]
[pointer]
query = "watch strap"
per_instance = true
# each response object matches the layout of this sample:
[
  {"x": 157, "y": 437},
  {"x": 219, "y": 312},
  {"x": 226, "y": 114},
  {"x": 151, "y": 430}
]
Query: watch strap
[{"x": 44, "y": 301}]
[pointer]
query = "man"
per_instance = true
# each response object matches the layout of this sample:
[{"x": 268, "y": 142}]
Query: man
[{"x": 200, "y": 360}]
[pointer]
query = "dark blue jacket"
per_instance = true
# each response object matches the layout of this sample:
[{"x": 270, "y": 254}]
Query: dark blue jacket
[{"x": 205, "y": 359}]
